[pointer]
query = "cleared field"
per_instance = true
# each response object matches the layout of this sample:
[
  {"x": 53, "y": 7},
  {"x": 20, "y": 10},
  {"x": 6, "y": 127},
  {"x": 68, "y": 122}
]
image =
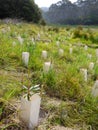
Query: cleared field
[{"x": 67, "y": 99}]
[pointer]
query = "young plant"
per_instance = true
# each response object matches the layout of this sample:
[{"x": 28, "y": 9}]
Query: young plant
[
  {"x": 30, "y": 105},
  {"x": 31, "y": 90}
]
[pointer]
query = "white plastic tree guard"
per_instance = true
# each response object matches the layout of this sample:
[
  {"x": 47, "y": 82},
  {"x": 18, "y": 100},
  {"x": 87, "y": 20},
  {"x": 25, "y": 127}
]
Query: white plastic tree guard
[
  {"x": 71, "y": 50},
  {"x": 46, "y": 66},
  {"x": 29, "y": 111},
  {"x": 20, "y": 39},
  {"x": 14, "y": 43},
  {"x": 95, "y": 89},
  {"x": 4, "y": 31},
  {"x": 25, "y": 58},
  {"x": 89, "y": 56},
  {"x": 58, "y": 43},
  {"x": 38, "y": 36},
  {"x": 9, "y": 29},
  {"x": 44, "y": 54},
  {"x": 85, "y": 47},
  {"x": 91, "y": 65},
  {"x": 32, "y": 40},
  {"x": 84, "y": 73},
  {"x": 97, "y": 53},
  {"x": 61, "y": 52}
]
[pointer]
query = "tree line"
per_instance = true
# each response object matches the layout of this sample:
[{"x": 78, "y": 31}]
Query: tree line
[
  {"x": 81, "y": 12},
  {"x": 21, "y": 9}
]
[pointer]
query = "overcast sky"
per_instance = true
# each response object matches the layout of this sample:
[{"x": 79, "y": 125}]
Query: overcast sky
[{"x": 47, "y": 3}]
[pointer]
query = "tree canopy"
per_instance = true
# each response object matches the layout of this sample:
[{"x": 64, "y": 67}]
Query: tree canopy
[
  {"x": 22, "y": 9},
  {"x": 80, "y": 12}
]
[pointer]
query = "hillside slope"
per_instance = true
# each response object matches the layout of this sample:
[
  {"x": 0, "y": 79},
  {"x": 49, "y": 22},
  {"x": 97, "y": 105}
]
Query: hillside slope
[{"x": 67, "y": 103}]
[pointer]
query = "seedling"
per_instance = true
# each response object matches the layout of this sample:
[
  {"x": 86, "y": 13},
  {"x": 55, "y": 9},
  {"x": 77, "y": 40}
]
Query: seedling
[{"x": 31, "y": 90}]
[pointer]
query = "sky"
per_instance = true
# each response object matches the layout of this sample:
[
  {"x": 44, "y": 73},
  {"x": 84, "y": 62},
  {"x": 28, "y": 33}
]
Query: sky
[{"x": 47, "y": 3}]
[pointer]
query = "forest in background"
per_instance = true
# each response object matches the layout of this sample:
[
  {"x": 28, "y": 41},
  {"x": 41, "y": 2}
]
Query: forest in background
[{"x": 83, "y": 12}]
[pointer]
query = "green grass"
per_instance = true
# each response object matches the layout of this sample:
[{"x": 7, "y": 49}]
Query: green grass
[{"x": 64, "y": 81}]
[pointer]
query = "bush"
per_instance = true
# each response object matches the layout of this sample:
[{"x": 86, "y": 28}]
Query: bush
[
  {"x": 42, "y": 22},
  {"x": 68, "y": 28},
  {"x": 25, "y": 9},
  {"x": 84, "y": 34},
  {"x": 80, "y": 28},
  {"x": 69, "y": 88}
]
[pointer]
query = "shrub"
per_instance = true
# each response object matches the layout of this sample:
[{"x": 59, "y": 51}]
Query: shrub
[
  {"x": 68, "y": 28},
  {"x": 42, "y": 22},
  {"x": 69, "y": 88},
  {"x": 84, "y": 34},
  {"x": 80, "y": 28},
  {"x": 25, "y": 9}
]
